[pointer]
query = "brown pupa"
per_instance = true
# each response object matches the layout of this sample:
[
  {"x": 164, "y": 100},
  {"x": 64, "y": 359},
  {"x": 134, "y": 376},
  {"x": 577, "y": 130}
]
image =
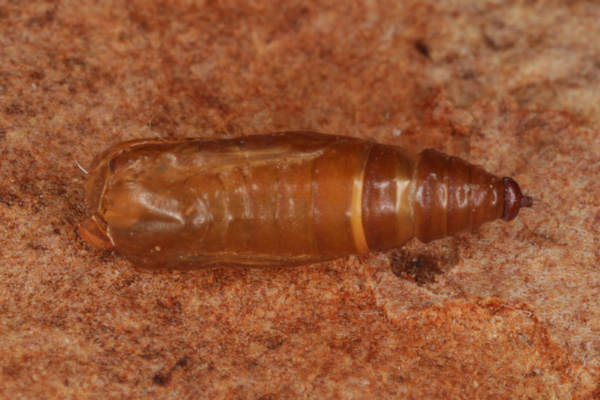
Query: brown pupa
[{"x": 281, "y": 199}]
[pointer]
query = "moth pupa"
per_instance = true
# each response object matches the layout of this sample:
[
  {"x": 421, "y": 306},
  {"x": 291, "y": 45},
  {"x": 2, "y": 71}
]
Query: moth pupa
[{"x": 281, "y": 199}]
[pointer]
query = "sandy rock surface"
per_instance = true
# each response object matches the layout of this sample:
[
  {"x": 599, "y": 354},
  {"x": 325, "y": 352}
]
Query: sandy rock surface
[{"x": 509, "y": 311}]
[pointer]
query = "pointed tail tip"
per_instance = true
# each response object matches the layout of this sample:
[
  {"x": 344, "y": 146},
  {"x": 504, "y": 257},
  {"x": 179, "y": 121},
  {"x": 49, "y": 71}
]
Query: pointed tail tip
[
  {"x": 513, "y": 199},
  {"x": 526, "y": 201}
]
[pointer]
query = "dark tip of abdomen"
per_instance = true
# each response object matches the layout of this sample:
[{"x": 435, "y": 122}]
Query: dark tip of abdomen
[{"x": 513, "y": 199}]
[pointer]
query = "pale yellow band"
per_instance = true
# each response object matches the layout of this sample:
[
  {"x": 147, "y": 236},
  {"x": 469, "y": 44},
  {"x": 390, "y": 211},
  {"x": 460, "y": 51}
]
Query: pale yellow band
[{"x": 358, "y": 231}]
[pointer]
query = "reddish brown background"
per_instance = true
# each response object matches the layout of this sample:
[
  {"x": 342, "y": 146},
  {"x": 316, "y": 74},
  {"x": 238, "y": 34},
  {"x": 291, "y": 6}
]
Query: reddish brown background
[{"x": 510, "y": 311}]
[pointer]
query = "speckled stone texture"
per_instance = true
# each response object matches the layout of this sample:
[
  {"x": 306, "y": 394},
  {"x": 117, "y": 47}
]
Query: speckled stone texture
[{"x": 509, "y": 311}]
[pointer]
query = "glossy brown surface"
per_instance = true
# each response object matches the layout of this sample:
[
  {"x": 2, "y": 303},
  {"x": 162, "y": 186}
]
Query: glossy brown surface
[
  {"x": 278, "y": 199},
  {"x": 452, "y": 195}
]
